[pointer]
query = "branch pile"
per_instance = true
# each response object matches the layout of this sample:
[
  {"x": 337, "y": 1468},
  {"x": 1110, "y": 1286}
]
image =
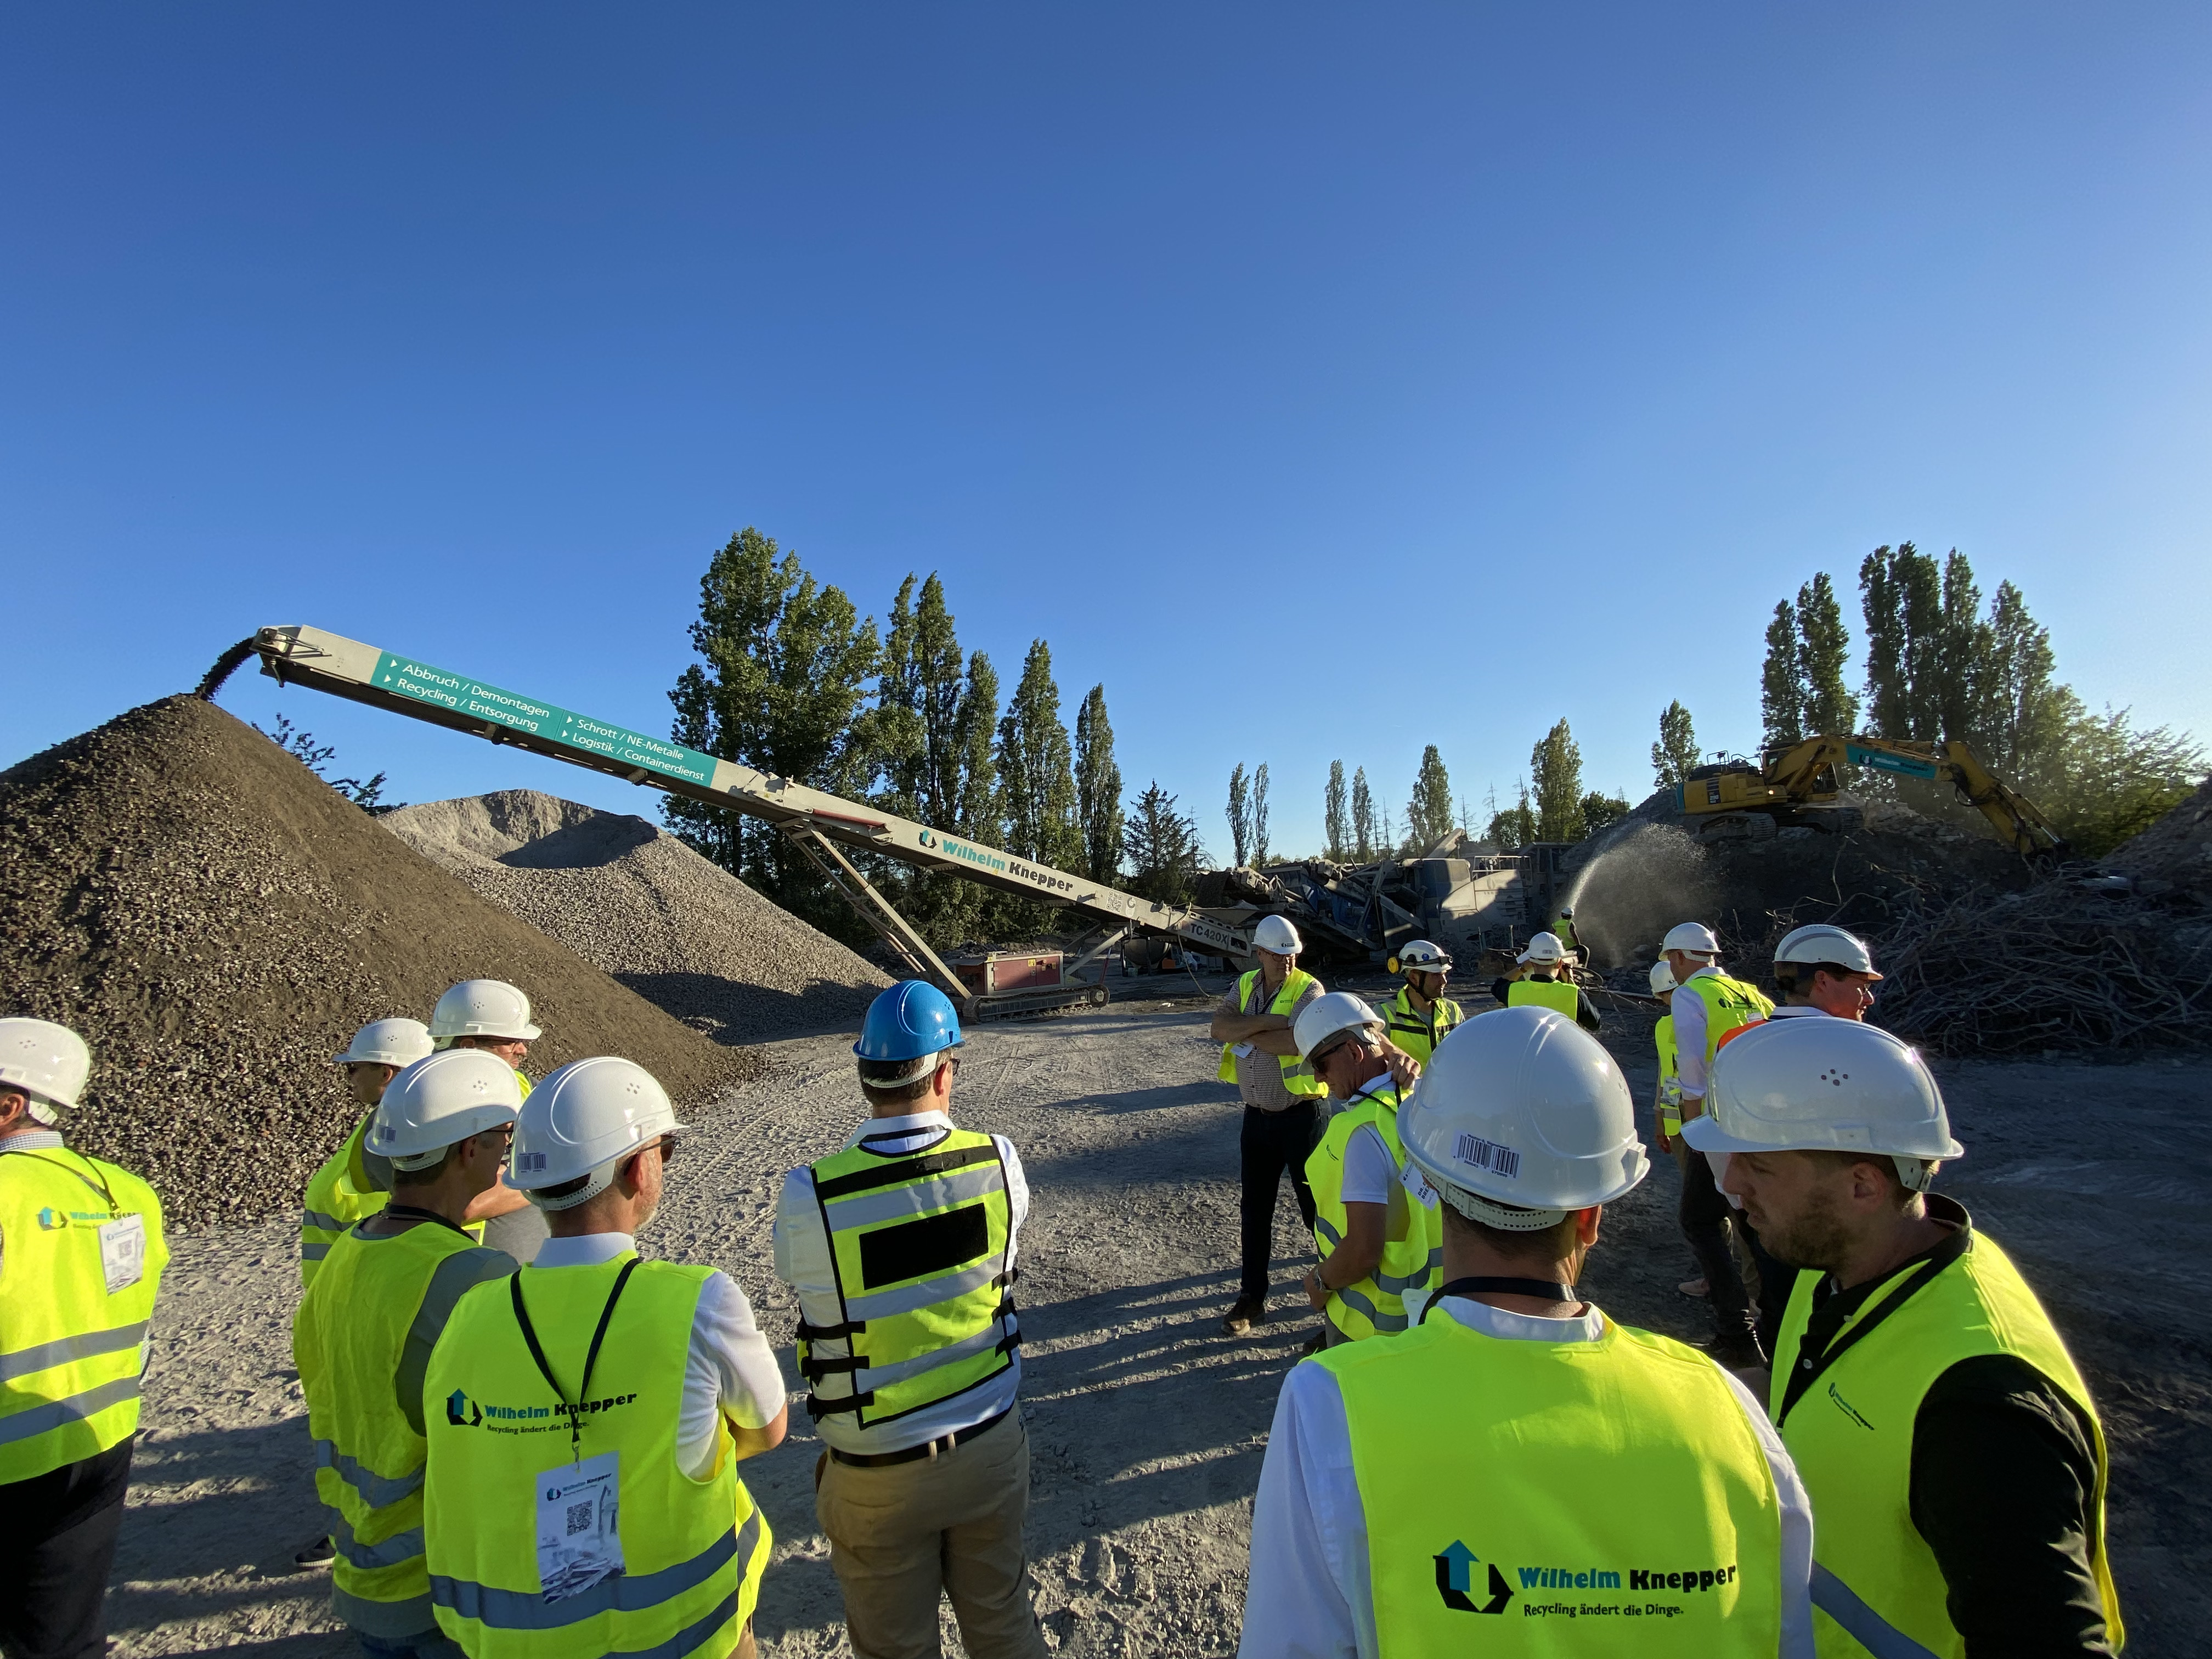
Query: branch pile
[{"x": 2057, "y": 967}]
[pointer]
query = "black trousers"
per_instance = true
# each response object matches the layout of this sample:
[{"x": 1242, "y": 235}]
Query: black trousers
[
  {"x": 1269, "y": 1144},
  {"x": 1706, "y": 1218},
  {"x": 57, "y": 1544}
]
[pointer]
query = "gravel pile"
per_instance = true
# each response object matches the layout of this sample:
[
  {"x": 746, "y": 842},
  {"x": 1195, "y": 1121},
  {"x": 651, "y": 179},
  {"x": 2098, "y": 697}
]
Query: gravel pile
[
  {"x": 2174, "y": 855},
  {"x": 217, "y": 921},
  {"x": 680, "y": 930}
]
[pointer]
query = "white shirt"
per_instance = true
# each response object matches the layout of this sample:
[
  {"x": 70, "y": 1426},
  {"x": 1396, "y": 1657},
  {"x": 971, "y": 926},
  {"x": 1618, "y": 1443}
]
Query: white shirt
[
  {"x": 1689, "y": 1012},
  {"x": 1369, "y": 1174},
  {"x": 728, "y": 1368},
  {"x": 803, "y": 1260},
  {"x": 1792, "y": 1010},
  {"x": 1310, "y": 1597}
]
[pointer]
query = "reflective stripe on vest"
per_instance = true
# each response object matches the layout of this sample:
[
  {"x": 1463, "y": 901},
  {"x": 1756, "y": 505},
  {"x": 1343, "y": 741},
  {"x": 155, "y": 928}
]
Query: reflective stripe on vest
[
  {"x": 350, "y": 1341},
  {"x": 1417, "y": 1033},
  {"x": 340, "y": 1194},
  {"x": 1728, "y": 1003},
  {"x": 1876, "y": 1583},
  {"x": 69, "y": 1377},
  {"x": 693, "y": 1550},
  {"x": 1410, "y": 1255},
  {"x": 1545, "y": 993},
  {"x": 920, "y": 1243},
  {"x": 1473, "y": 1531},
  {"x": 1297, "y": 1077}
]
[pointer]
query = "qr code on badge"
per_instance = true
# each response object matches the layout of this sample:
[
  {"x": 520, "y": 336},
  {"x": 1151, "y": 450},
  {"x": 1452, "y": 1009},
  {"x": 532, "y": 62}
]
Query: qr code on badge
[{"x": 579, "y": 1518}]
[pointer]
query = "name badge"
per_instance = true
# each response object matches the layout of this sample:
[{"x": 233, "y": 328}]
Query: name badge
[
  {"x": 578, "y": 1544},
  {"x": 1242, "y": 1050},
  {"x": 122, "y": 1251}
]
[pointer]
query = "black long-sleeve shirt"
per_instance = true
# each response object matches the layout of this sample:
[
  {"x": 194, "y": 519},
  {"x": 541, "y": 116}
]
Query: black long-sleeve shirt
[
  {"x": 2003, "y": 1490},
  {"x": 1585, "y": 1010}
]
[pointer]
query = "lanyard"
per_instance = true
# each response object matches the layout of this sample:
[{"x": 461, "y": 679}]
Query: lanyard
[
  {"x": 96, "y": 1181},
  {"x": 1540, "y": 1287},
  {"x": 575, "y": 1409},
  {"x": 413, "y": 1214},
  {"x": 1810, "y": 1366}
]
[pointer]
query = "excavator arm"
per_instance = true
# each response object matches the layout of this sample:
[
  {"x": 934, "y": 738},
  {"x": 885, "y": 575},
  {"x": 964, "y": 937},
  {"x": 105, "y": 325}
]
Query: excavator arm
[{"x": 2011, "y": 814}]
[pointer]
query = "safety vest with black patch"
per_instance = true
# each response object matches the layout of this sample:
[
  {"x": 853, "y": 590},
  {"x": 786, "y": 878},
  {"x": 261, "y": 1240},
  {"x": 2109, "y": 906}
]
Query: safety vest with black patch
[
  {"x": 922, "y": 1244},
  {"x": 1298, "y": 1078},
  {"x": 1416, "y": 1032},
  {"x": 1412, "y": 1243}
]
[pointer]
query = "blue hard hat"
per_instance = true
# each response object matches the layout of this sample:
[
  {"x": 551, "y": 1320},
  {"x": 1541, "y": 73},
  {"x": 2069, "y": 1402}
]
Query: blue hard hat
[{"x": 911, "y": 1020}]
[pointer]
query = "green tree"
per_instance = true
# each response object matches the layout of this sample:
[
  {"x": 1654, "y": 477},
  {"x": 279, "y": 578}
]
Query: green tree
[
  {"x": 1429, "y": 812},
  {"x": 1555, "y": 766},
  {"x": 1336, "y": 815},
  {"x": 1260, "y": 814},
  {"x": 1097, "y": 788},
  {"x": 1240, "y": 815},
  {"x": 1163, "y": 848},
  {"x": 981, "y": 815},
  {"x": 1823, "y": 646},
  {"x": 1516, "y": 826},
  {"x": 1675, "y": 754},
  {"x": 1600, "y": 811},
  {"x": 1364, "y": 837},
  {"x": 783, "y": 687},
  {"x": 1036, "y": 772},
  {"x": 1781, "y": 680}
]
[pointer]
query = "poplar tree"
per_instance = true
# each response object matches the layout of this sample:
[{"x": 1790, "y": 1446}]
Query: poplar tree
[
  {"x": 1429, "y": 812},
  {"x": 1824, "y": 644},
  {"x": 1098, "y": 789},
  {"x": 1364, "y": 837},
  {"x": 1782, "y": 681},
  {"x": 1259, "y": 815},
  {"x": 1336, "y": 815},
  {"x": 1037, "y": 774},
  {"x": 1240, "y": 815},
  {"x": 1555, "y": 766},
  {"x": 1676, "y": 752}
]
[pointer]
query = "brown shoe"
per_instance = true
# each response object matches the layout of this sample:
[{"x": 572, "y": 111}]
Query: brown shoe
[
  {"x": 1247, "y": 1312},
  {"x": 1695, "y": 1286}
]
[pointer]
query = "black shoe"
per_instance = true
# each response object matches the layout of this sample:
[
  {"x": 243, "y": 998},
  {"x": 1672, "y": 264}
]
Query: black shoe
[
  {"x": 1249, "y": 1310},
  {"x": 1737, "y": 1352},
  {"x": 320, "y": 1553}
]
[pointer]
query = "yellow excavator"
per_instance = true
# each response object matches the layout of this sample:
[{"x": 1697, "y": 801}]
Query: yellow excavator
[{"x": 1798, "y": 786}]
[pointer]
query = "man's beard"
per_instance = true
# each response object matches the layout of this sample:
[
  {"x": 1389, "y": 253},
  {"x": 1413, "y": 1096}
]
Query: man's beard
[{"x": 1815, "y": 1239}]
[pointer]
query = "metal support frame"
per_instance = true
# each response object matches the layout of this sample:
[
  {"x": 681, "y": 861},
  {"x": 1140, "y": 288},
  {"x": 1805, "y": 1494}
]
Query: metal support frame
[
  {"x": 1071, "y": 969},
  {"x": 874, "y": 909}
]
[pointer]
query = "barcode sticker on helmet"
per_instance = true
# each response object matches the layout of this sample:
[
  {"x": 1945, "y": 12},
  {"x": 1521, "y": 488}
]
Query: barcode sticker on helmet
[{"x": 1488, "y": 1155}]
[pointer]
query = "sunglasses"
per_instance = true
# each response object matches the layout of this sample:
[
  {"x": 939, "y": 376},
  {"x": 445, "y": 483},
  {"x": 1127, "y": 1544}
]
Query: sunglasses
[{"x": 1322, "y": 1056}]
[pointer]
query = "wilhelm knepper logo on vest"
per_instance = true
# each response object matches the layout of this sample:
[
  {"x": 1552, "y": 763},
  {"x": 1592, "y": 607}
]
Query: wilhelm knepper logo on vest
[
  {"x": 463, "y": 1412},
  {"x": 1456, "y": 1578}
]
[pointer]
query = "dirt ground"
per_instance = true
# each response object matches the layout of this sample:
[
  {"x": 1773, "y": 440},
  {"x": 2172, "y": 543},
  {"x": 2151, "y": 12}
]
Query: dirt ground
[{"x": 1147, "y": 1427}]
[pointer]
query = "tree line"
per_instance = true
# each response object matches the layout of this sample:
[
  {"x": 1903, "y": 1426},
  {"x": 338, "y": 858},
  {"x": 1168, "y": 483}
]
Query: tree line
[
  {"x": 793, "y": 681},
  {"x": 1941, "y": 665}
]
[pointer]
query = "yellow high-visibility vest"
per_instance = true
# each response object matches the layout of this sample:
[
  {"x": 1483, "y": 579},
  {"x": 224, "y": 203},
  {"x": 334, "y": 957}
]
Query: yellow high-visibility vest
[
  {"x": 921, "y": 1244},
  {"x": 71, "y": 1347},
  {"x": 350, "y": 1342},
  {"x": 1297, "y": 1077},
  {"x": 692, "y": 1550},
  {"x": 1561, "y": 998},
  {"x": 1411, "y": 1246},
  {"x": 342, "y": 1192},
  {"x": 1416, "y": 1032},
  {"x": 1555, "y": 1497},
  {"x": 1876, "y": 1587},
  {"x": 1729, "y": 1003},
  {"x": 1670, "y": 1077}
]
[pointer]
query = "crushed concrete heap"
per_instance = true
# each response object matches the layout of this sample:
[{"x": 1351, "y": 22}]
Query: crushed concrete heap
[
  {"x": 676, "y": 928},
  {"x": 217, "y": 921},
  {"x": 2174, "y": 855}
]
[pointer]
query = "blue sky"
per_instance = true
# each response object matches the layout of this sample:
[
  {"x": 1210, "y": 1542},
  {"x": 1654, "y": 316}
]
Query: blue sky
[{"x": 1325, "y": 381}]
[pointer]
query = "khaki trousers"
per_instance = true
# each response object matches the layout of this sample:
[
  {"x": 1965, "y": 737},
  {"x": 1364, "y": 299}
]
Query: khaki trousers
[{"x": 902, "y": 1535}]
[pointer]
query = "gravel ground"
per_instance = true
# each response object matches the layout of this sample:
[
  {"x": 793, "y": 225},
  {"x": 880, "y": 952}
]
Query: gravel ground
[
  {"x": 680, "y": 931},
  {"x": 217, "y": 921},
  {"x": 1148, "y": 1426}
]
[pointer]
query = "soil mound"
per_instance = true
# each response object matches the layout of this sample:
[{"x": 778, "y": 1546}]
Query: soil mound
[
  {"x": 2175, "y": 853},
  {"x": 217, "y": 921},
  {"x": 680, "y": 930}
]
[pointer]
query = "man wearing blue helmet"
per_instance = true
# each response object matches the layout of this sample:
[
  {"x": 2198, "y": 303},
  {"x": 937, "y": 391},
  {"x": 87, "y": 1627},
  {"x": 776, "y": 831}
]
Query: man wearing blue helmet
[{"x": 901, "y": 1249}]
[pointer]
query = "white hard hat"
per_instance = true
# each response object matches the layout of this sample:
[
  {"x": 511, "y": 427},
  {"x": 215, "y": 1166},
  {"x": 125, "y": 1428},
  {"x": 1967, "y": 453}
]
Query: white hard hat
[
  {"x": 1691, "y": 939},
  {"x": 1662, "y": 978},
  {"x": 1423, "y": 957},
  {"x": 1521, "y": 1116},
  {"x": 441, "y": 1100},
  {"x": 583, "y": 1120},
  {"x": 387, "y": 1042},
  {"x": 46, "y": 1061},
  {"x": 1826, "y": 944},
  {"x": 1543, "y": 948},
  {"x": 482, "y": 1007},
  {"x": 1834, "y": 1085},
  {"x": 1325, "y": 1015},
  {"x": 1275, "y": 934}
]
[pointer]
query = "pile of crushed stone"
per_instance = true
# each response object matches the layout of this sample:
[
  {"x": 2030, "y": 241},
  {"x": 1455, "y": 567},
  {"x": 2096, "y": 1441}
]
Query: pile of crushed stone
[
  {"x": 680, "y": 930},
  {"x": 217, "y": 921},
  {"x": 2174, "y": 855}
]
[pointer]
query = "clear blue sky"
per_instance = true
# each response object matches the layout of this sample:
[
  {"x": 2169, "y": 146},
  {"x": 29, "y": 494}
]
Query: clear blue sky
[{"x": 1327, "y": 380}]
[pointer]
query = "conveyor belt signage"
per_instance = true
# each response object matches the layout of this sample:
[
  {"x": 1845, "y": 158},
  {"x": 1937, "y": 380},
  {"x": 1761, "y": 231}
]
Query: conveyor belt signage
[{"x": 419, "y": 681}]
